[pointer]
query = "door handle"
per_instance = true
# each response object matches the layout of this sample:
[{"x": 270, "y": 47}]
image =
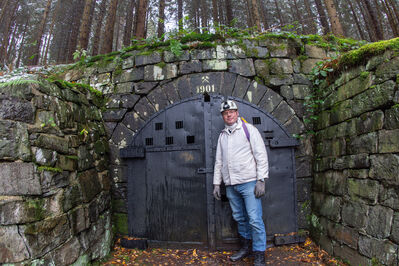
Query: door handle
[{"x": 204, "y": 170}]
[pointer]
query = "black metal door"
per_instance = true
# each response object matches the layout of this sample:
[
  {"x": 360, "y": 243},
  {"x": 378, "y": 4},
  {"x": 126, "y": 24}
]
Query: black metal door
[{"x": 170, "y": 174}]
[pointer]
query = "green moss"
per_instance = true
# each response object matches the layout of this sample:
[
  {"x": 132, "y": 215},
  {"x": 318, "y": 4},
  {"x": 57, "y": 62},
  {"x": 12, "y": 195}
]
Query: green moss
[
  {"x": 302, "y": 58},
  {"x": 361, "y": 55},
  {"x": 36, "y": 208},
  {"x": 364, "y": 74},
  {"x": 161, "y": 64},
  {"x": 50, "y": 169},
  {"x": 72, "y": 157},
  {"x": 120, "y": 223}
]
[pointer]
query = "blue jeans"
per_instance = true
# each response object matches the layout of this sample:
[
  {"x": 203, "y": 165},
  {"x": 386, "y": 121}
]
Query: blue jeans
[{"x": 247, "y": 212}]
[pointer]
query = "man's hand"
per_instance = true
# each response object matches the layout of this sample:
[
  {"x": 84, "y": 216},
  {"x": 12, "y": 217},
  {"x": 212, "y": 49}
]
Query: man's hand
[
  {"x": 259, "y": 188},
  {"x": 216, "y": 192}
]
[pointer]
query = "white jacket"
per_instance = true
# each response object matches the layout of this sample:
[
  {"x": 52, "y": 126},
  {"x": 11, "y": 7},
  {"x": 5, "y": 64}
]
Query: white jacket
[{"x": 237, "y": 160}]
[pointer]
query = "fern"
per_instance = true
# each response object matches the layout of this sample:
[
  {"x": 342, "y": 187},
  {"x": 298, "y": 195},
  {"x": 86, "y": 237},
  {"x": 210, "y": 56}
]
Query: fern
[{"x": 18, "y": 82}]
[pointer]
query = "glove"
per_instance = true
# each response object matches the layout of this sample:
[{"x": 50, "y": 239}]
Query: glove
[
  {"x": 259, "y": 188},
  {"x": 216, "y": 192}
]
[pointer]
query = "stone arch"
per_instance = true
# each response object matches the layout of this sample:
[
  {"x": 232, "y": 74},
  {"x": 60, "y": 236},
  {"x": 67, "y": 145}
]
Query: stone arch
[{"x": 155, "y": 96}]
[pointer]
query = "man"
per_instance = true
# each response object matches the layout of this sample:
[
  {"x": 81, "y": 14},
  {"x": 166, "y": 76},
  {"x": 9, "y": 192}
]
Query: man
[{"x": 241, "y": 162}]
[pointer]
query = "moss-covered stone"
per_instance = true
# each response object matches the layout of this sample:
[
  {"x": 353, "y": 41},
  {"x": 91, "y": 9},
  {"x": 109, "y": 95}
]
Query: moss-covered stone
[{"x": 120, "y": 223}]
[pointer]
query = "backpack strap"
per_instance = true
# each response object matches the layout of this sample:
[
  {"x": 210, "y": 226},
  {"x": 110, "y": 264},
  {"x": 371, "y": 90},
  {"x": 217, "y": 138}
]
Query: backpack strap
[{"x": 244, "y": 126}]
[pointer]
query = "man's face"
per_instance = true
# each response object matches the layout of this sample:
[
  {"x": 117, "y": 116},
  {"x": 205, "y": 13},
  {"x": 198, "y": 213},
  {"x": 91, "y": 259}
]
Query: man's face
[{"x": 230, "y": 117}]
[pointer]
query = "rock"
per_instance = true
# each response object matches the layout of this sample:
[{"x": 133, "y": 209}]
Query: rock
[
  {"x": 131, "y": 74},
  {"x": 315, "y": 52},
  {"x": 114, "y": 115},
  {"x": 160, "y": 72},
  {"x": 243, "y": 67},
  {"x": 308, "y": 65},
  {"x": 171, "y": 57},
  {"x": 283, "y": 112},
  {"x": 19, "y": 179},
  {"x": 89, "y": 184},
  {"x": 14, "y": 142},
  {"x": 385, "y": 167},
  {"x": 270, "y": 101},
  {"x": 44, "y": 236},
  {"x": 366, "y": 143},
  {"x": 67, "y": 253},
  {"x": 13, "y": 108},
  {"x": 203, "y": 54},
  {"x": 85, "y": 158},
  {"x": 255, "y": 92},
  {"x": 146, "y": 59},
  {"x": 383, "y": 250},
  {"x": 241, "y": 86},
  {"x": 373, "y": 98},
  {"x": 392, "y": 118},
  {"x": 189, "y": 67},
  {"x": 395, "y": 228},
  {"x": 215, "y": 64},
  {"x": 363, "y": 189},
  {"x": 279, "y": 66},
  {"x": 388, "y": 141},
  {"x": 355, "y": 214},
  {"x": 12, "y": 246}
]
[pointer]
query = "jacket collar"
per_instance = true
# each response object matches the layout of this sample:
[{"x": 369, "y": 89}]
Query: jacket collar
[{"x": 239, "y": 125}]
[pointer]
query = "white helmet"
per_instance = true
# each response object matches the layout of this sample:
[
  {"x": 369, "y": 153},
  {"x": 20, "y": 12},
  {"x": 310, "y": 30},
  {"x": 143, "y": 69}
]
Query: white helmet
[{"x": 228, "y": 105}]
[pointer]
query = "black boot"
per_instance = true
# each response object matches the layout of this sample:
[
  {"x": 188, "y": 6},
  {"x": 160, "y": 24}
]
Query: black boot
[
  {"x": 259, "y": 258},
  {"x": 244, "y": 250}
]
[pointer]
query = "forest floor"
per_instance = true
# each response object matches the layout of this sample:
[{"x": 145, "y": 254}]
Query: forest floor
[{"x": 307, "y": 253}]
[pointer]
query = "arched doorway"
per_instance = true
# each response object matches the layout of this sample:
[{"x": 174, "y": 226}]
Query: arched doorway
[{"x": 170, "y": 173}]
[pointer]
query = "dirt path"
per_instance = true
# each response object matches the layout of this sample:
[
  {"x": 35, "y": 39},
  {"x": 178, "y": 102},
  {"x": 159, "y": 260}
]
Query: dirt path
[{"x": 301, "y": 254}]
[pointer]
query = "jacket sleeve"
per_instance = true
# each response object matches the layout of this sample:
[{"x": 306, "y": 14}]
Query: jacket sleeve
[
  {"x": 260, "y": 154},
  {"x": 217, "y": 172}
]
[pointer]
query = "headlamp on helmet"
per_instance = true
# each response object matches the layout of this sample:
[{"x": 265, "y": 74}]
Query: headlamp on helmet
[{"x": 228, "y": 105}]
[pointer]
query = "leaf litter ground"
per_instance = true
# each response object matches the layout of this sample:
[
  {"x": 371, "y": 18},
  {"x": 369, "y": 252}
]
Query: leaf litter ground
[{"x": 307, "y": 253}]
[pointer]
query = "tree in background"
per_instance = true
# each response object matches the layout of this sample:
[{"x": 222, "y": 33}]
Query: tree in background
[
  {"x": 50, "y": 31},
  {"x": 141, "y": 13},
  {"x": 336, "y": 26},
  {"x": 85, "y": 26},
  {"x": 106, "y": 46}
]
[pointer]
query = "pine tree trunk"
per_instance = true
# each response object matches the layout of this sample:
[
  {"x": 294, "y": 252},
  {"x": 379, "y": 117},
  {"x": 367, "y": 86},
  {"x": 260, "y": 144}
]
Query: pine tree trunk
[
  {"x": 334, "y": 20},
  {"x": 250, "y": 21},
  {"x": 264, "y": 15},
  {"x": 6, "y": 31},
  {"x": 97, "y": 32},
  {"x": 366, "y": 20},
  {"x": 127, "y": 35},
  {"x": 161, "y": 18},
  {"x": 140, "y": 19},
  {"x": 256, "y": 15},
  {"x": 298, "y": 17},
  {"x": 76, "y": 21},
  {"x": 204, "y": 14},
  {"x": 280, "y": 17},
  {"x": 4, "y": 6},
  {"x": 106, "y": 46},
  {"x": 21, "y": 49},
  {"x": 215, "y": 12},
  {"x": 372, "y": 14},
  {"x": 310, "y": 18},
  {"x": 229, "y": 12},
  {"x": 180, "y": 14},
  {"x": 391, "y": 18},
  {"x": 85, "y": 26},
  {"x": 395, "y": 8},
  {"x": 359, "y": 28},
  {"x": 323, "y": 17}
]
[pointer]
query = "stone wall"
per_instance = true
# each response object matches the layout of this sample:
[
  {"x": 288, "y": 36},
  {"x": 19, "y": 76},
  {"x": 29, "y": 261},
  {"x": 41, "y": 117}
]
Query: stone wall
[
  {"x": 54, "y": 182},
  {"x": 356, "y": 179},
  {"x": 271, "y": 73}
]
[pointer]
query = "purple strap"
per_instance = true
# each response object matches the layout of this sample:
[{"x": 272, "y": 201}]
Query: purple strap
[{"x": 245, "y": 128}]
